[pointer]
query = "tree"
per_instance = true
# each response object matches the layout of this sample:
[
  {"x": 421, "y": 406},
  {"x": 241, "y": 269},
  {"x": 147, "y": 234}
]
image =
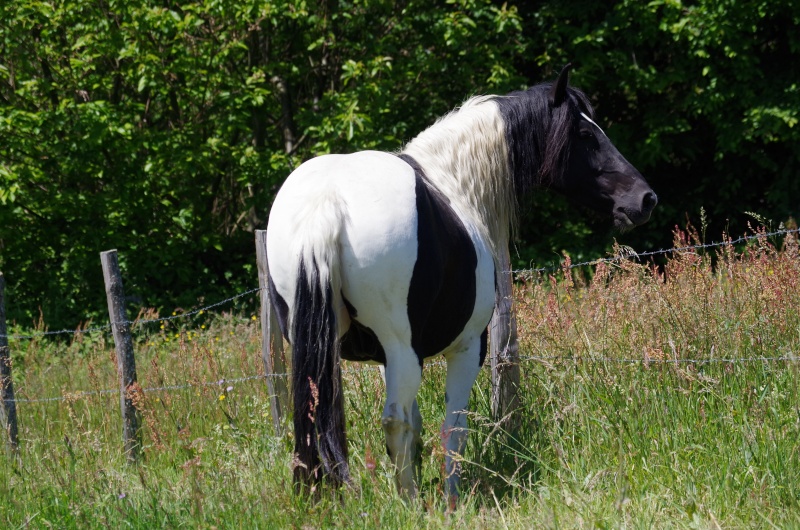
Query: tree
[
  {"x": 163, "y": 129},
  {"x": 702, "y": 97}
]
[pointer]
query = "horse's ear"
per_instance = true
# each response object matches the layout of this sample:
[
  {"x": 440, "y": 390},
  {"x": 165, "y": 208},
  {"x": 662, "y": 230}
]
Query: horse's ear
[{"x": 558, "y": 92}]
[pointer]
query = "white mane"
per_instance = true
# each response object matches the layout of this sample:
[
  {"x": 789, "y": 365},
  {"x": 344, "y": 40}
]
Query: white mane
[{"x": 465, "y": 155}]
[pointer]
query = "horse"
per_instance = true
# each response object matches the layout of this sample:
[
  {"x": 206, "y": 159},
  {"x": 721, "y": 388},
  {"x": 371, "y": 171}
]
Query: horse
[{"x": 392, "y": 258}]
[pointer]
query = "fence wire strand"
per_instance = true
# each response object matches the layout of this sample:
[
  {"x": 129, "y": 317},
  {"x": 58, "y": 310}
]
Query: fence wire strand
[
  {"x": 790, "y": 358},
  {"x": 638, "y": 255},
  {"x": 632, "y": 254},
  {"x": 137, "y": 322},
  {"x": 548, "y": 359}
]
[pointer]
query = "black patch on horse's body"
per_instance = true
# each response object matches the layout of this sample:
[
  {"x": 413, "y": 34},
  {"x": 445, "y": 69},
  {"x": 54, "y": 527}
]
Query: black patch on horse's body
[
  {"x": 359, "y": 342},
  {"x": 441, "y": 297}
]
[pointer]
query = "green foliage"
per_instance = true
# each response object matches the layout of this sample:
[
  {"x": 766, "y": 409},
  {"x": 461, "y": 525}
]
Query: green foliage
[
  {"x": 163, "y": 129},
  {"x": 702, "y": 97}
]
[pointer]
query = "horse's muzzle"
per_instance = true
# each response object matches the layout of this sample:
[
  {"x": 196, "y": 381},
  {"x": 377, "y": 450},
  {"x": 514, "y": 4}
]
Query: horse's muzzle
[{"x": 635, "y": 212}]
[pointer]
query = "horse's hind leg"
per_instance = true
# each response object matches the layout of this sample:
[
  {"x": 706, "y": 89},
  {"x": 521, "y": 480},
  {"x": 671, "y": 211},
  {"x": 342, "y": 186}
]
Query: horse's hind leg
[{"x": 401, "y": 419}]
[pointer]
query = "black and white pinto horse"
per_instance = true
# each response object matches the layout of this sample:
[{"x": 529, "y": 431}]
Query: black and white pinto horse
[{"x": 391, "y": 258}]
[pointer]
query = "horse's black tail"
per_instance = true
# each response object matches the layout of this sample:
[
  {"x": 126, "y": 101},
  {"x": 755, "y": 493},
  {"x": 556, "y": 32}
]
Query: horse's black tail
[{"x": 319, "y": 424}]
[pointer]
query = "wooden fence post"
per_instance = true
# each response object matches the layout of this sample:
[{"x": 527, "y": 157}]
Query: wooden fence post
[
  {"x": 126, "y": 362},
  {"x": 8, "y": 411},
  {"x": 271, "y": 340},
  {"x": 504, "y": 353}
]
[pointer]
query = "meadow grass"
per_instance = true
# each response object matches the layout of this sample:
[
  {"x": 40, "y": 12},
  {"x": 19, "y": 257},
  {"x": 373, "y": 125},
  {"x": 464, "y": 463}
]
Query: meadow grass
[{"x": 651, "y": 397}]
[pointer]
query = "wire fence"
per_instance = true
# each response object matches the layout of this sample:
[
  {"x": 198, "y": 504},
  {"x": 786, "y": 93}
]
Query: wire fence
[
  {"x": 139, "y": 322},
  {"x": 789, "y": 358},
  {"x": 552, "y": 359},
  {"x": 630, "y": 254}
]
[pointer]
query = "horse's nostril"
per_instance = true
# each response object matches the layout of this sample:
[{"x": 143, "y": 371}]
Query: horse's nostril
[{"x": 649, "y": 201}]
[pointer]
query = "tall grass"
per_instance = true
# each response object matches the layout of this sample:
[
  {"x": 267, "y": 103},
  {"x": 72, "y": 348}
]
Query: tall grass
[{"x": 652, "y": 397}]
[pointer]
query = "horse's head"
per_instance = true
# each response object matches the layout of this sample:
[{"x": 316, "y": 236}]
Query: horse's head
[{"x": 592, "y": 171}]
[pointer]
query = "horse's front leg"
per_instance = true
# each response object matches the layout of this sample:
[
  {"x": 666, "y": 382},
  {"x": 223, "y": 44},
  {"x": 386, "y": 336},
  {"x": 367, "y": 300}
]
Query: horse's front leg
[{"x": 462, "y": 369}]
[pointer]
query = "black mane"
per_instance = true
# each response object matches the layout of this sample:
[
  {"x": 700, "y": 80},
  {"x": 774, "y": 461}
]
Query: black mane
[{"x": 538, "y": 134}]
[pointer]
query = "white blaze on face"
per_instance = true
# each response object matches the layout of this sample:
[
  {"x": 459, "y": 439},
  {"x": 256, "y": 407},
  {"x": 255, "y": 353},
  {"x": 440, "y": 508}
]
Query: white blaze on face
[{"x": 587, "y": 118}]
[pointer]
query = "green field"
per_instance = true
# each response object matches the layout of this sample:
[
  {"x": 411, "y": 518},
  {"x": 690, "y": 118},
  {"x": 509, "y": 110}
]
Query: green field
[{"x": 660, "y": 398}]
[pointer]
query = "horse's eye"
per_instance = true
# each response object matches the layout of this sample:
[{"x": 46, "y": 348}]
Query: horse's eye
[{"x": 585, "y": 133}]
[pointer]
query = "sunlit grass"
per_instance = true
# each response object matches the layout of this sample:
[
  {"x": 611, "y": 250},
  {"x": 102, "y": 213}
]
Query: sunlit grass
[{"x": 650, "y": 398}]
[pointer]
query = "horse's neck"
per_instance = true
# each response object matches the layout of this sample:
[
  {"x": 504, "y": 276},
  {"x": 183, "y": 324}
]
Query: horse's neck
[{"x": 465, "y": 156}]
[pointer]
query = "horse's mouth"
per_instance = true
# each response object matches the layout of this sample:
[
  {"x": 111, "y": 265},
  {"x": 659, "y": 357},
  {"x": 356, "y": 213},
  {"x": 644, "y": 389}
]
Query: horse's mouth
[
  {"x": 622, "y": 222},
  {"x": 626, "y": 221}
]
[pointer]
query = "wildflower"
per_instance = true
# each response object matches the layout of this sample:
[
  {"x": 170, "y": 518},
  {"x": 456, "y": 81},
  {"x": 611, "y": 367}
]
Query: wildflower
[{"x": 222, "y": 397}]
